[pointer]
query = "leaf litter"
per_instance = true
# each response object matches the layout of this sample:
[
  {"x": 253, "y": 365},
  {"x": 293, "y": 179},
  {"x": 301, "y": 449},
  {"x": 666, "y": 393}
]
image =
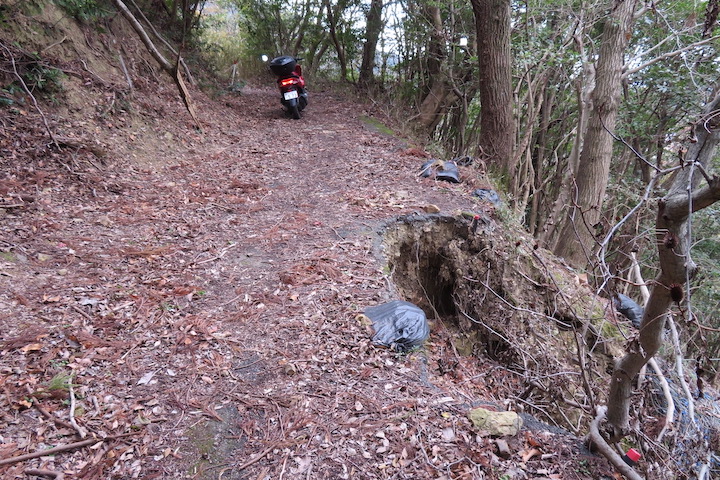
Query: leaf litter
[{"x": 200, "y": 294}]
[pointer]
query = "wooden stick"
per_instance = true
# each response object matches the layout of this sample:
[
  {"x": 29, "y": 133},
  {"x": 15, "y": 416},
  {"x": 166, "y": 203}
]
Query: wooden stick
[
  {"x": 258, "y": 457},
  {"x": 45, "y": 473},
  {"x": 50, "y": 416},
  {"x": 51, "y": 451},
  {"x": 63, "y": 448},
  {"x": 81, "y": 431}
]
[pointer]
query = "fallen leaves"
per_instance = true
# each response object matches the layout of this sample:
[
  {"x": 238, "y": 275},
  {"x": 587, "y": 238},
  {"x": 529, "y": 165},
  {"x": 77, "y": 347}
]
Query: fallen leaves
[{"x": 206, "y": 284}]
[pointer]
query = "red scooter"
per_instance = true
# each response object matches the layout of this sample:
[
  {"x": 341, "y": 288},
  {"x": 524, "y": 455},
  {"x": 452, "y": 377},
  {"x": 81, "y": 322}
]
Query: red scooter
[{"x": 293, "y": 95}]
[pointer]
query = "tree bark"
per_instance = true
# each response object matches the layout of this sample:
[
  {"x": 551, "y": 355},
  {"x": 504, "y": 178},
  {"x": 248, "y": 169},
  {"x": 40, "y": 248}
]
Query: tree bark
[
  {"x": 576, "y": 241},
  {"x": 676, "y": 265},
  {"x": 332, "y": 17},
  {"x": 497, "y": 128},
  {"x": 372, "y": 34},
  {"x": 433, "y": 105}
]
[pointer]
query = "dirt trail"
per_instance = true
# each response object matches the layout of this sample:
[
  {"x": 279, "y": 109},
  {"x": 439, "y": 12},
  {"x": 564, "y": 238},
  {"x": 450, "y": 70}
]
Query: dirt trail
[{"x": 205, "y": 300}]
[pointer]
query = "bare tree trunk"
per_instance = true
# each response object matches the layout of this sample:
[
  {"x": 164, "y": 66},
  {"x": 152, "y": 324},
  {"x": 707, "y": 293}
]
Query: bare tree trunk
[
  {"x": 332, "y": 17},
  {"x": 587, "y": 189},
  {"x": 676, "y": 265},
  {"x": 165, "y": 42},
  {"x": 372, "y": 34},
  {"x": 164, "y": 63},
  {"x": 433, "y": 105},
  {"x": 497, "y": 127},
  {"x": 539, "y": 159}
]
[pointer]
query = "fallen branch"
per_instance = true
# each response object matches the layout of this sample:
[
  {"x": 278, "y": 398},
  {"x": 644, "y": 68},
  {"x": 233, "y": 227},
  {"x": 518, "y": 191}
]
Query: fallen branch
[
  {"x": 219, "y": 256},
  {"x": 50, "y": 416},
  {"x": 53, "y": 45},
  {"x": 125, "y": 70},
  {"x": 164, "y": 63},
  {"x": 51, "y": 451},
  {"x": 670, "y": 410},
  {"x": 258, "y": 457},
  {"x": 45, "y": 473},
  {"x": 599, "y": 444},
  {"x": 63, "y": 448},
  {"x": 679, "y": 368},
  {"x": 81, "y": 431},
  {"x": 82, "y": 144},
  {"x": 166, "y": 43}
]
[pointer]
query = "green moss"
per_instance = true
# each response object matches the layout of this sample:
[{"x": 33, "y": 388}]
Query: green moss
[
  {"x": 202, "y": 439},
  {"x": 8, "y": 256},
  {"x": 608, "y": 330},
  {"x": 378, "y": 125},
  {"x": 31, "y": 8}
]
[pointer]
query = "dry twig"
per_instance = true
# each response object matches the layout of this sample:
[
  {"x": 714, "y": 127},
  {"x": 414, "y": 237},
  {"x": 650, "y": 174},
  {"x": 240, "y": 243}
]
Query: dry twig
[
  {"x": 81, "y": 431},
  {"x": 258, "y": 457},
  {"x": 29, "y": 93},
  {"x": 50, "y": 416},
  {"x": 51, "y": 451},
  {"x": 45, "y": 473}
]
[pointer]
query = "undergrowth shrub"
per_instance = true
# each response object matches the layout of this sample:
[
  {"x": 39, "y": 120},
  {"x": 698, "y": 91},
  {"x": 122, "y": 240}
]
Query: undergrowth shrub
[{"x": 84, "y": 10}]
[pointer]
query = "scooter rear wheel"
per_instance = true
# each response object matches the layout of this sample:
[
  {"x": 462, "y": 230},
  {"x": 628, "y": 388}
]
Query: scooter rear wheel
[{"x": 295, "y": 112}]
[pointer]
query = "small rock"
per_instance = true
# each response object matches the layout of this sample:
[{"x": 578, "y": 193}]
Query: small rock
[
  {"x": 448, "y": 434},
  {"x": 431, "y": 208},
  {"x": 503, "y": 448},
  {"x": 497, "y": 424}
]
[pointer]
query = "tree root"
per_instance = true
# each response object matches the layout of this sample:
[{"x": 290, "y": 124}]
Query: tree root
[{"x": 602, "y": 446}]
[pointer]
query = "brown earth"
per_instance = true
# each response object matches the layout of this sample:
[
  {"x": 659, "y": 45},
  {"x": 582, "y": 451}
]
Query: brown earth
[{"x": 190, "y": 299}]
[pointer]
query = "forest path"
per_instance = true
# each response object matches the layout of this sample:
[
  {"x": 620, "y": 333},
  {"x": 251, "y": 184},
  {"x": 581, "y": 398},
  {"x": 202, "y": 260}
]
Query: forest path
[{"x": 202, "y": 293}]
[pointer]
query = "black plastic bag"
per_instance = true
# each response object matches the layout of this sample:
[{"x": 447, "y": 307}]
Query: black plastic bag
[
  {"x": 487, "y": 194},
  {"x": 398, "y": 325},
  {"x": 629, "y": 308},
  {"x": 447, "y": 171}
]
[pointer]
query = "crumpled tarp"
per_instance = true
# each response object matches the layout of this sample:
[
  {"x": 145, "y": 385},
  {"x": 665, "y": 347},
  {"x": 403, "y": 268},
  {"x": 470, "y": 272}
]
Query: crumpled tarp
[
  {"x": 398, "y": 325},
  {"x": 487, "y": 194},
  {"x": 441, "y": 170},
  {"x": 629, "y": 308}
]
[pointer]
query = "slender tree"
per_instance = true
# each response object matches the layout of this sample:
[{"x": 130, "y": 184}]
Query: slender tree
[
  {"x": 333, "y": 13},
  {"x": 492, "y": 23},
  {"x": 433, "y": 103},
  {"x": 587, "y": 187},
  {"x": 674, "y": 238},
  {"x": 373, "y": 27}
]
